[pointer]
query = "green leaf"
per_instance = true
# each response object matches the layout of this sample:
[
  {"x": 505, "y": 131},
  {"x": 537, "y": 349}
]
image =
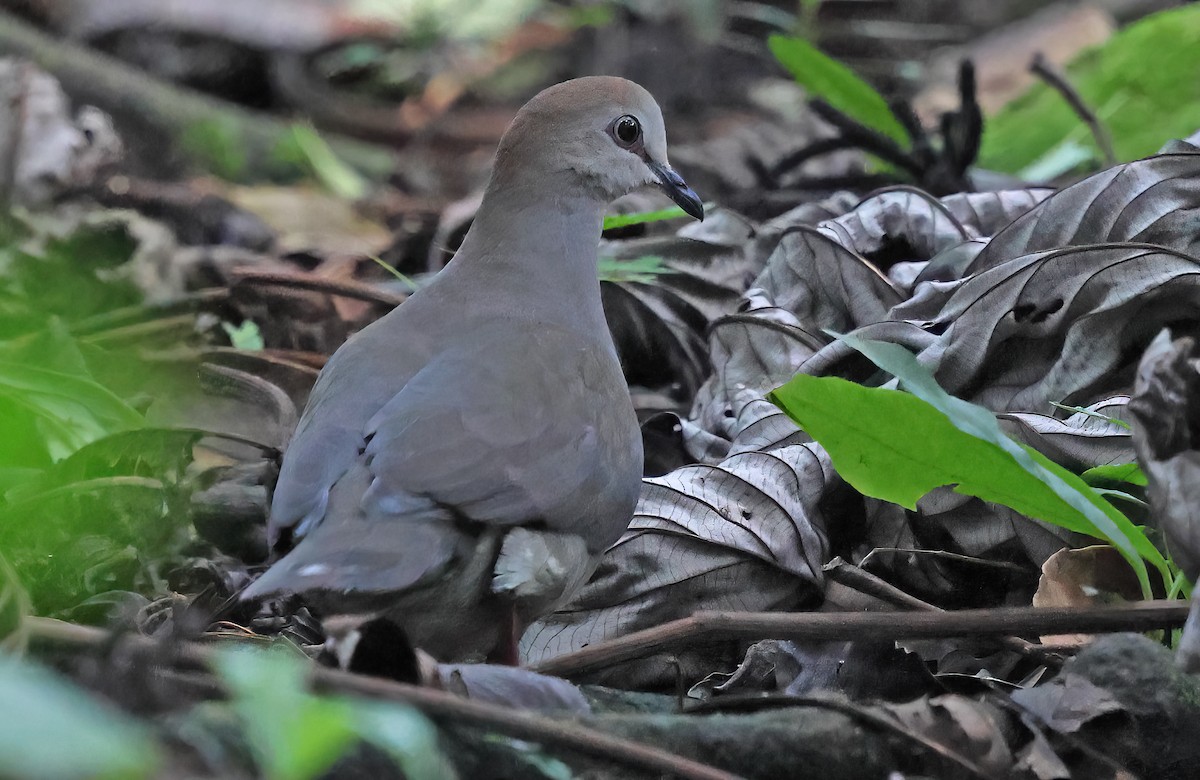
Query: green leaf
[
  {"x": 404, "y": 734},
  {"x": 897, "y": 447},
  {"x": 335, "y": 175},
  {"x": 643, "y": 217},
  {"x": 829, "y": 79},
  {"x": 1115, "y": 472},
  {"x": 1147, "y": 69},
  {"x": 1121, "y": 495},
  {"x": 69, "y": 410},
  {"x": 296, "y": 735},
  {"x": 50, "y": 728},
  {"x": 293, "y": 734},
  {"x": 14, "y": 608},
  {"x": 246, "y": 336},
  {"x": 645, "y": 269},
  {"x": 1067, "y": 156},
  {"x": 405, "y": 279}
]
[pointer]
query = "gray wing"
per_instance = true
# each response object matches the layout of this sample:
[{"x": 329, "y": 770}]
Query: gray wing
[
  {"x": 513, "y": 428},
  {"x": 359, "y": 379}
]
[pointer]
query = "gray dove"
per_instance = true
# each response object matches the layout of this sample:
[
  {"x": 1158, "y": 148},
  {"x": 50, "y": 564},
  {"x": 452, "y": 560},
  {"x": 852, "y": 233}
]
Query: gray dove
[{"x": 463, "y": 462}]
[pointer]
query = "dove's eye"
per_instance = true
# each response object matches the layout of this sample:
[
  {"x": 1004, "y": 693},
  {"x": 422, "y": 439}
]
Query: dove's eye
[{"x": 627, "y": 131}]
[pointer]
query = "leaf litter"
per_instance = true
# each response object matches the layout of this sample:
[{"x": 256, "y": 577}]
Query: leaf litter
[{"x": 1034, "y": 305}]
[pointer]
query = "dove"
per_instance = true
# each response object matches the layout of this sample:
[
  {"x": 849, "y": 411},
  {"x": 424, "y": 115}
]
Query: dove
[{"x": 463, "y": 462}]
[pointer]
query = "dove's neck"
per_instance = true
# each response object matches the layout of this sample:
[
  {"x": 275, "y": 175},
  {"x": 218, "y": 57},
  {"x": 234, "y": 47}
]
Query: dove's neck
[{"x": 533, "y": 248}]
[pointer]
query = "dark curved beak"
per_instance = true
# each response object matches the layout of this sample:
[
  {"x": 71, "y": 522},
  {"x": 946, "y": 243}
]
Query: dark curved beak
[{"x": 677, "y": 190}]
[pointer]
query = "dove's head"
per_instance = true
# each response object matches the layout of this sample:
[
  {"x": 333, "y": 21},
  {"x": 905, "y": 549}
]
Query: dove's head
[{"x": 602, "y": 134}]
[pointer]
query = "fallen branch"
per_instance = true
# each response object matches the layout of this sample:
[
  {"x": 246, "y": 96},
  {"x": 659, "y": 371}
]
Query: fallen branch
[
  {"x": 842, "y": 626},
  {"x": 438, "y": 705},
  {"x": 124, "y": 91},
  {"x": 856, "y": 578}
]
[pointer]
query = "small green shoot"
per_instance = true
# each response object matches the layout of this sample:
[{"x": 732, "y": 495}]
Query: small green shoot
[
  {"x": 1091, "y": 413},
  {"x": 335, "y": 175},
  {"x": 391, "y": 269},
  {"x": 218, "y": 145},
  {"x": 246, "y": 336}
]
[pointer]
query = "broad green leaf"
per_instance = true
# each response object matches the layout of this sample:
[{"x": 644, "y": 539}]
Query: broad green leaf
[
  {"x": 69, "y": 410},
  {"x": 1107, "y": 523},
  {"x": 826, "y": 78},
  {"x": 1146, "y": 70},
  {"x": 898, "y": 446},
  {"x": 294, "y": 735},
  {"x": 51, "y": 729}
]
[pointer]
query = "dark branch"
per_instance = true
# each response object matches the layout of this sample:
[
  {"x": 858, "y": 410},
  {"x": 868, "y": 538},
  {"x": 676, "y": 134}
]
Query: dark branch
[{"x": 1057, "y": 80}]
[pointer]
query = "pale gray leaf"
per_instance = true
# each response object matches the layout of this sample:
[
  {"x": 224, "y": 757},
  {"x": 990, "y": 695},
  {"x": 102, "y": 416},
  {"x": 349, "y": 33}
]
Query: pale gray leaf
[
  {"x": 745, "y": 535},
  {"x": 1152, "y": 201}
]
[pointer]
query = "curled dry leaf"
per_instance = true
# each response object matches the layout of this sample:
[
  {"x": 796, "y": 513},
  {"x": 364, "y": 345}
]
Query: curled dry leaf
[
  {"x": 52, "y": 150},
  {"x": 745, "y": 531},
  {"x": 745, "y": 535},
  {"x": 512, "y": 687},
  {"x": 972, "y": 730},
  {"x": 1166, "y": 432},
  {"x": 1150, "y": 201},
  {"x": 1084, "y": 577},
  {"x": 1067, "y": 702},
  {"x": 659, "y": 315},
  {"x": 820, "y": 278},
  {"x": 1057, "y": 326},
  {"x": 1091, "y": 437},
  {"x": 860, "y": 670},
  {"x": 234, "y": 404}
]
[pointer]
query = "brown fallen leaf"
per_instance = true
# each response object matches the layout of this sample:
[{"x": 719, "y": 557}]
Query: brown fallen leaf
[{"x": 1084, "y": 577}]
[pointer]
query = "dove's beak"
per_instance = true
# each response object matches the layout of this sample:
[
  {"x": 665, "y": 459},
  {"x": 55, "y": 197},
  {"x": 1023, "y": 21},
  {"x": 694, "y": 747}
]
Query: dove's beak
[{"x": 677, "y": 189}]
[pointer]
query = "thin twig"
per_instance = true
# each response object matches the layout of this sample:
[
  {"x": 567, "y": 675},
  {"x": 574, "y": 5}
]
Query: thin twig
[
  {"x": 866, "y": 138},
  {"x": 1057, "y": 80},
  {"x": 314, "y": 283},
  {"x": 851, "y": 576},
  {"x": 438, "y": 705},
  {"x": 843, "y": 626}
]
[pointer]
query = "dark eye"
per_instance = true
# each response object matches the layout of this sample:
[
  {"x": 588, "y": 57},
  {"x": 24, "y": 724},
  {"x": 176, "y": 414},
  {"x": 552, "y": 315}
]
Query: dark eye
[{"x": 627, "y": 130}]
